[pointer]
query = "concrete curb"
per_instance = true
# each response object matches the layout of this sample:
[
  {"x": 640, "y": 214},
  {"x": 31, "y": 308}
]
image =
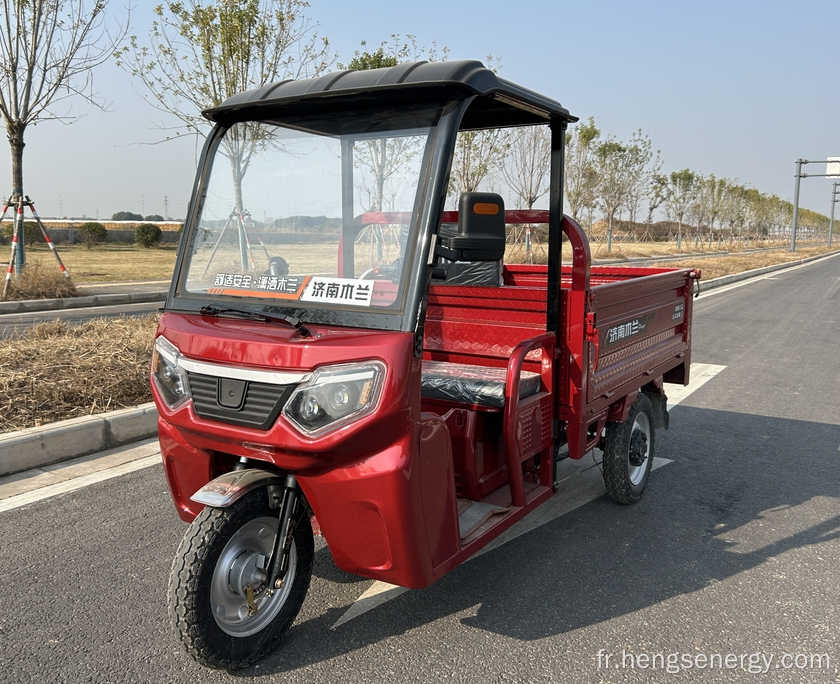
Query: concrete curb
[
  {"x": 27, "y": 305},
  {"x": 66, "y": 439}
]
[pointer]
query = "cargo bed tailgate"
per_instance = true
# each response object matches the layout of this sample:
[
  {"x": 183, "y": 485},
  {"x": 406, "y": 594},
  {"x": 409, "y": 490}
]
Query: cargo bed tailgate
[{"x": 642, "y": 330}]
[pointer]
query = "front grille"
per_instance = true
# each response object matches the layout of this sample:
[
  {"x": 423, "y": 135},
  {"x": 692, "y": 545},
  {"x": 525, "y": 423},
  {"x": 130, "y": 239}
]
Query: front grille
[{"x": 262, "y": 405}]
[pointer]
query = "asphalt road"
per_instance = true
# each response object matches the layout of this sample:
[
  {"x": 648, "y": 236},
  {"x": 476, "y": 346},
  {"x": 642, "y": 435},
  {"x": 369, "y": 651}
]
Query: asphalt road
[{"x": 732, "y": 554}]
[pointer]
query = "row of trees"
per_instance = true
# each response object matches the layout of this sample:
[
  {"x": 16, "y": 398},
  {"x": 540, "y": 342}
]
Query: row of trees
[
  {"x": 200, "y": 52},
  {"x": 615, "y": 178},
  {"x": 610, "y": 180}
]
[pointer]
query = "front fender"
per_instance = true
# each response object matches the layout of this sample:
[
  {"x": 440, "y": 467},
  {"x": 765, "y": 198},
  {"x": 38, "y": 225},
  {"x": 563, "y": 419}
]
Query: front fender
[{"x": 230, "y": 487}]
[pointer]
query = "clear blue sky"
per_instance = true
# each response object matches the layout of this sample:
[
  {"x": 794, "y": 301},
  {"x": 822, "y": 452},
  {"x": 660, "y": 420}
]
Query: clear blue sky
[{"x": 739, "y": 89}]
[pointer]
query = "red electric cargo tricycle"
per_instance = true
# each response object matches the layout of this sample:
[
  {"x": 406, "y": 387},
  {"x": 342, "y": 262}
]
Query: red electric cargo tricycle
[{"x": 339, "y": 347}]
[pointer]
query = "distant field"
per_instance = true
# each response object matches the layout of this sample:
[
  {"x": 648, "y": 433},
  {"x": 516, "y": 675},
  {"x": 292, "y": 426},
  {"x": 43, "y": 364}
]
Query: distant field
[
  {"x": 108, "y": 263},
  {"x": 116, "y": 262}
]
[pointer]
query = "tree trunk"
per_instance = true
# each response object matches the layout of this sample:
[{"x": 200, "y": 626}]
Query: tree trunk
[
  {"x": 14, "y": 131},
  {"x": 239, "y": 209}
]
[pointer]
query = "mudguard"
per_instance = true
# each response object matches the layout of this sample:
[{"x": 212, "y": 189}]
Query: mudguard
[{"x": 230, "y": 487}]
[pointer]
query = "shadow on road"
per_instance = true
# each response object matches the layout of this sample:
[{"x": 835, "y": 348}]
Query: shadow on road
[{"x": 717, "y": 511}]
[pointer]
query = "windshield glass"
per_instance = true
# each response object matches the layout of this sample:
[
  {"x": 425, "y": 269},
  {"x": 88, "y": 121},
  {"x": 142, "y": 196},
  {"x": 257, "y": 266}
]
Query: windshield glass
[{"x": 313, "y": 213}]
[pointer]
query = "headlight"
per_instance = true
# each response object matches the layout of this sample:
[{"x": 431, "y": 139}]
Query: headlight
[
  {"x": 335, "y": 396},
  {"x": 169, "y": 378}
]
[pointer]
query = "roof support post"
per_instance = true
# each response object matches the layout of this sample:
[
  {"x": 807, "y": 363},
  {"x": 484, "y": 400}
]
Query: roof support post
[{"x": 555, "y": 218}]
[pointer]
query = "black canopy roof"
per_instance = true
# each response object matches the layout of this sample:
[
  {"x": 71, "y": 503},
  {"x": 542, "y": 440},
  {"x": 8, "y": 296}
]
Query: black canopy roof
[{"x": 499, "y": 103}]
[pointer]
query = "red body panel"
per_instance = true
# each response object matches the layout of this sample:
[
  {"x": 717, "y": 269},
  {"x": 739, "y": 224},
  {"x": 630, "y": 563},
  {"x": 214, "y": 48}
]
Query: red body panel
[{"x": 384, "y": 488}]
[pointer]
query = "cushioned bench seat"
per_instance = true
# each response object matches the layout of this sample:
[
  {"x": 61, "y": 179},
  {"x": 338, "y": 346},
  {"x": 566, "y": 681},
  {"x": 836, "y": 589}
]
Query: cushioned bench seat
[{"x": 475, "y": 385}]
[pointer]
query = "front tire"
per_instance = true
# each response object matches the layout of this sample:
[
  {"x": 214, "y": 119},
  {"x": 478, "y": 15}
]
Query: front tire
[
  {"x": 223, "y": 553},
  {"x": 628, "y": 453}
]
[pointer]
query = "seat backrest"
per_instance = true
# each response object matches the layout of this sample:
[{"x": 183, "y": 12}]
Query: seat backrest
[
  {"x": 473, "y": 250},
  {"x": 473, "y": 273},
  {"x": 481, "y": 229},
  {"x": 481, "y": 325}
]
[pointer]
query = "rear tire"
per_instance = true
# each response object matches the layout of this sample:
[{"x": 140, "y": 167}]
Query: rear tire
[
  {"x": 628, "y": 453},
  {"x": 222, "y": 552}
]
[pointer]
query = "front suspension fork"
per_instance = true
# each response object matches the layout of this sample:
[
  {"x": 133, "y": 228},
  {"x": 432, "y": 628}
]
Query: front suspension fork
[{"x": 278, "y": 563}]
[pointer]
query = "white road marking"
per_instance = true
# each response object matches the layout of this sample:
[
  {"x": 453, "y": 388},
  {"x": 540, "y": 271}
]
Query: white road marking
[
  {"x": 701, "y": 373},
  {"x": 580, "y": 482},
  {"x": 76, "y": 483}
]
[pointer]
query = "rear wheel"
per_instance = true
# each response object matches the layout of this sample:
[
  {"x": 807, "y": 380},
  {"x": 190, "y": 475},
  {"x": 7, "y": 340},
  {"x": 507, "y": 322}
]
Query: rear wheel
[
  {"x": 220, "y": 608},
  {"x": 628, "y": 453}
]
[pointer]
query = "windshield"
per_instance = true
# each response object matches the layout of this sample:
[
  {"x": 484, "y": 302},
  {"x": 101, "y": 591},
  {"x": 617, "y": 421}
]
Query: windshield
[{"x": 312, "y": 213}]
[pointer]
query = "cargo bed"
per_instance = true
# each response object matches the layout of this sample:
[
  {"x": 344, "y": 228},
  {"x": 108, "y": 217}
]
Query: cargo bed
[{"x": 624, "y": 330}]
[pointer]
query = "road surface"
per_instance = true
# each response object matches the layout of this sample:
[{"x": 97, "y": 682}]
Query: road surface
[{"x": 726, "y": 569}]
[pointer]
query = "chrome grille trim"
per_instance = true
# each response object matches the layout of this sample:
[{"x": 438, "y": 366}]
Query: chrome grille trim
[{"x": 239, "y": 373}]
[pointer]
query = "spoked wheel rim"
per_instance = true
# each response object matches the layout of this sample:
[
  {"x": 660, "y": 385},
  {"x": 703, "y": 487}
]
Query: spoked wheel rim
[
  {"x": 241, "y": 564},
  {"x": 638, "y": 453}
]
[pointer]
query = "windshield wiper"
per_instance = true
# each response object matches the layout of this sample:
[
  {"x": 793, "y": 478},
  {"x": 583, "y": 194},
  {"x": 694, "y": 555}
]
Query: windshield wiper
[{"x": 296, "y": 323}]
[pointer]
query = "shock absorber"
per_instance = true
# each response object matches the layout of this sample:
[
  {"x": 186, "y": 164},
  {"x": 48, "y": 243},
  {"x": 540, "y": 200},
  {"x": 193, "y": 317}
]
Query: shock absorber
[{"x": 278, "y": 563}]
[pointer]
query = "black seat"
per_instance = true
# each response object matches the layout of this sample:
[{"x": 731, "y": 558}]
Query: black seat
[
  {"x": 471, "y": 253},
  {"x": 474, "y": 385}
]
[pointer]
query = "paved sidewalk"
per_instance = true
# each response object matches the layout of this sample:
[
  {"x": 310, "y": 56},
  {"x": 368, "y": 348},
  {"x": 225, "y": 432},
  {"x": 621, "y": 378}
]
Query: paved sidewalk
[{"x": 40, "y": 483}]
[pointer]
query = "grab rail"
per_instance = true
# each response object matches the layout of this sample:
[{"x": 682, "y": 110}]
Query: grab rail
[{"x": 546, "y": 342}]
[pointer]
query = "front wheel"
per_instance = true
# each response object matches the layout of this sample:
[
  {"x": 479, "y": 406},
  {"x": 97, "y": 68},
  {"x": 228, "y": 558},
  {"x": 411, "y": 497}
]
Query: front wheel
[
  {"x": 219, "y": 606},
  {"x": 628, "y": 453}
]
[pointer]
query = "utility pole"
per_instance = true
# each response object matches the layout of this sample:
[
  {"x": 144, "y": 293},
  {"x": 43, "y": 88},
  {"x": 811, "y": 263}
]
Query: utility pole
[
  {"x": 799, "y": 162},
  {"x": 834, "y": 200},
  {"x": 166, "y": 207}
]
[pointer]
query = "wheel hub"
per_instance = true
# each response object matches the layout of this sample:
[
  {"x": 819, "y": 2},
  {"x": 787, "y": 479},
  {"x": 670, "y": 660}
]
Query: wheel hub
[
  {"x": 638, "y": 448},
  {"x": 241, "y": 603},
  {"x": 246, "y": 570}
]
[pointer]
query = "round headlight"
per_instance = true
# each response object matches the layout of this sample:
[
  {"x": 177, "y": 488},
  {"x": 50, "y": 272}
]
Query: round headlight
[
  {"x": 340, "y": 398},
  {"x": 310, "y": 407}
]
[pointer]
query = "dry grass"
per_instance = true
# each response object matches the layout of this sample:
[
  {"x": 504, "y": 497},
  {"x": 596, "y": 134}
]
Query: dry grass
[
  {"x": 41, "y": 281},
  {"x": 108, "y": 263},
  {"x": 713, "y": 264},
  {"x": 738, "y": 263},
  {"x": 55, "y": 371}
]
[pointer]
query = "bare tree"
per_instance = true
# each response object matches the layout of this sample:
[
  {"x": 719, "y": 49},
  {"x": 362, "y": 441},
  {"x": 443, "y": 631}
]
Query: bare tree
[
  {"x": 478, "y": 154},
  {"x": 715, "y": 192},
  {"x": 47, "y": 51},
  {"x": 581, "y": 175},
  {"x": 682, "y": 189},
  {"x": 384, "y": 158},
  {"x": 201, "y": 52},
  {"x": 528, "y": 163},
  {"x": 614, "y": 180},
  {"x": 698, "y": 209},
  {"x": 641, "y": 165},
  {"x": 657, "y": 192}
]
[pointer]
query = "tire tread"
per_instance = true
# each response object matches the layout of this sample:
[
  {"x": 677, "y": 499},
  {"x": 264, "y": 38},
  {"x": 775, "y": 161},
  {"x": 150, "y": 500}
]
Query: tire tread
[
  {"x": 617, "y": 440},
  {"x": 185, "y": 587}
]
